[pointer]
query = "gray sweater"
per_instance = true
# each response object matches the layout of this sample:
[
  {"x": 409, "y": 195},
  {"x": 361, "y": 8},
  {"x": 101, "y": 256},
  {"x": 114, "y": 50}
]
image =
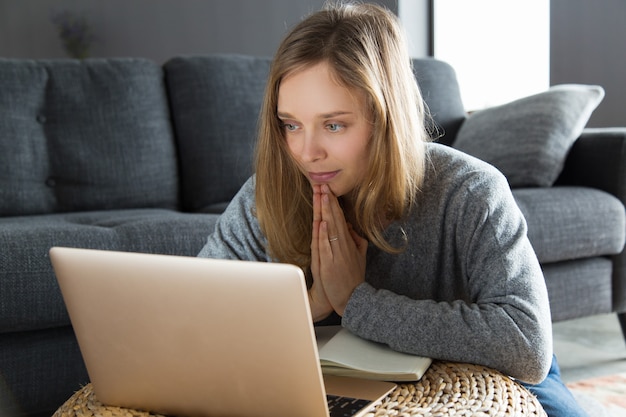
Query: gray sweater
[{"x": 468, "y": 287}]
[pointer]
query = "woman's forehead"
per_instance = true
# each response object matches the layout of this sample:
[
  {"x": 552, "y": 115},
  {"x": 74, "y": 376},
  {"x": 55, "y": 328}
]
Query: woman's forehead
[{"x": 315, "y": 88}]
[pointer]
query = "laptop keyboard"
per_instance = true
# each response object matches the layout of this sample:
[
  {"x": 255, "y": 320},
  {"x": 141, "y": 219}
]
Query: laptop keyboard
[{"x": 344, "y": 406}]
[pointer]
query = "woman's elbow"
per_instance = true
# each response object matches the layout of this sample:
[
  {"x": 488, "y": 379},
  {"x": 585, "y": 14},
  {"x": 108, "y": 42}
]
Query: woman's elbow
[{"x": 534, "y": 359}]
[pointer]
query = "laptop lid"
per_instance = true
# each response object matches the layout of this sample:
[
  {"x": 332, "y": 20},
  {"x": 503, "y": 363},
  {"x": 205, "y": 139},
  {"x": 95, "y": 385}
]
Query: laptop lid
[{"x": 191, "y": 336}]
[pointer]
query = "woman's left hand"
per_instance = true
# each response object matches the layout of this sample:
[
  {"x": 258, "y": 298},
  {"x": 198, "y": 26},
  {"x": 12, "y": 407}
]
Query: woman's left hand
[{"x": 342, "y": 252}]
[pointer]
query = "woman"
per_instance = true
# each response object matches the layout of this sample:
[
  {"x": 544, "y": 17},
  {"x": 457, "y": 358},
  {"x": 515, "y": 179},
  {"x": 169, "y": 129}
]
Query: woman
[{"x": 404, "y": 242}]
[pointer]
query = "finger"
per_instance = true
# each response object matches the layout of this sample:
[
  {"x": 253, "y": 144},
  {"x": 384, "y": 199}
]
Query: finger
[
  {"x": 317, "y": 218},
  {"x": 323, "y": 232},
  {"x": 315, "y": 236},
  {"x": 327, "y": 215},
  {"x": 335, "y": 208},
  {"x": 333, "y": 215},
  {"x": 317, "y": 204},
  {"x": 326, "y": 243}
]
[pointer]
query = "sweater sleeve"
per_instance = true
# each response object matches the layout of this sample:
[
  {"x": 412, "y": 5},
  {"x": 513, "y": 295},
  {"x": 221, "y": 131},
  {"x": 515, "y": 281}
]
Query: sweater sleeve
[
  {"x": 489, "y": 303},
  {"x": 237, "y": 234}
]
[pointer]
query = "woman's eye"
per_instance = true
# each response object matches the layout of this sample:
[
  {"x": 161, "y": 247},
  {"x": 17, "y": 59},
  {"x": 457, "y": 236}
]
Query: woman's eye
[
  {"x": 334, "y": 127},
  {"x": 289, "y": 127}
]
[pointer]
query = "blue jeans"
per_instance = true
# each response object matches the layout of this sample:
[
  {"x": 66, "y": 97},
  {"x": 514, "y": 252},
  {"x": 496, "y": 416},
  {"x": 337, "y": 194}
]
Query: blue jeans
[{"x": 556, "y": 399}]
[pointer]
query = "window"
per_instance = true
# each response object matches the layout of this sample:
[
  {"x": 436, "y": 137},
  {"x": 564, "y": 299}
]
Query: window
[{"x": 500, "y": 49}]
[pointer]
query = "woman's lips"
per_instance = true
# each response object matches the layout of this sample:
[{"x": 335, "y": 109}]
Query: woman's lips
[{"x": 323, "y": 177}]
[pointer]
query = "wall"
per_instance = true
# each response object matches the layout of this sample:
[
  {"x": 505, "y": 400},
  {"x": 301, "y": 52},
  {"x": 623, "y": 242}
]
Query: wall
[
  {"x": 587, "y": 37},
  {"x": 587, "y": 44},
  {"x": 155, "y": 29}
]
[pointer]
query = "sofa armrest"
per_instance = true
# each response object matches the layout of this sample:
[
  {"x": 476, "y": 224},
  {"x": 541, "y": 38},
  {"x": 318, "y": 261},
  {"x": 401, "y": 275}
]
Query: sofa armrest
[{"x": 598, "y": 160}]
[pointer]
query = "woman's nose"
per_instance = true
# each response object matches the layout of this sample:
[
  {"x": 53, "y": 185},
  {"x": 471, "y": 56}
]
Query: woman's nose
[{"x": 312, "y": 149}]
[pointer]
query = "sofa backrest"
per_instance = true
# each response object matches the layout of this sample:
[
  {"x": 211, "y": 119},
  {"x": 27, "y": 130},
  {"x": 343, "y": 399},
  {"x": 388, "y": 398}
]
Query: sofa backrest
[
  {"x": 97, "y": 135},
  {"x": 215, "y": 102},
  {"x": 84, "y": 135},
  {"x": 440, "y": 90}
]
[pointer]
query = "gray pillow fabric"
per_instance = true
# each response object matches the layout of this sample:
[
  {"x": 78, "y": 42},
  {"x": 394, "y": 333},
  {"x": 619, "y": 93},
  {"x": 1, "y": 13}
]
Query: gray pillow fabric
[{"x": 528, "y": 139}]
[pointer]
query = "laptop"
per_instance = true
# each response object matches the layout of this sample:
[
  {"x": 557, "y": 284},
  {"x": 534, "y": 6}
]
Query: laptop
[{"x": 187, "y": 336}]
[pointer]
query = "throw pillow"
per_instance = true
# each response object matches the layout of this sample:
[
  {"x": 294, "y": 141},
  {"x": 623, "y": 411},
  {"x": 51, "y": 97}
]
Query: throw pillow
[{"x": 528, "y": 139}]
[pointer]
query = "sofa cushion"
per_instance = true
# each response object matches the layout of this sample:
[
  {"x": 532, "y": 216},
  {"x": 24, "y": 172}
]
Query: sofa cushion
[
  {"x": 528, "y": 139},
  {"x": 30, "y": 295},
  {"x": 84, "y": 135},
  {"x": 567, "y": 223},
  {"x": 215, "y": 103}
]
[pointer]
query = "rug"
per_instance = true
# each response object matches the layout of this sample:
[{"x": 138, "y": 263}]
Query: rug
[{"x": 609, "y": 391}]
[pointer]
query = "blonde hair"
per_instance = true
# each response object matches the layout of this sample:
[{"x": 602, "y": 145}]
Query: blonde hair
[{"x": 365, "y": 48}]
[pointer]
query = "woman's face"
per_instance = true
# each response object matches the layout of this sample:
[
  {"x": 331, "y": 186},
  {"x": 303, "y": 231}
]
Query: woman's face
[{"x": 326, "y": 128}]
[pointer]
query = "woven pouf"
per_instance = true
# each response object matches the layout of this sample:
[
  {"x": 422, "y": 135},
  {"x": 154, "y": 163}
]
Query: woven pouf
[
  {"x": 446, "y": 389},
  {"x": 84, "y": 404},
  {"x": 456, "y": 389}
]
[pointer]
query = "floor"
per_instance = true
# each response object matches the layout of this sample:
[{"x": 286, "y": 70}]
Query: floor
[{"x": 589, "y": 347}]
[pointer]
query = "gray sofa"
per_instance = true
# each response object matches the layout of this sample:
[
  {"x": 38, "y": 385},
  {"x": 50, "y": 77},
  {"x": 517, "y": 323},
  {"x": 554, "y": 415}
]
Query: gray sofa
[{"x": 128, "y": 155}]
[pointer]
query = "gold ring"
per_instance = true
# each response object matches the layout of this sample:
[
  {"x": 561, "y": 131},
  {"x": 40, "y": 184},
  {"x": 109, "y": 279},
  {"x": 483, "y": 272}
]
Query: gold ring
[{"x": 332, "y": 239}]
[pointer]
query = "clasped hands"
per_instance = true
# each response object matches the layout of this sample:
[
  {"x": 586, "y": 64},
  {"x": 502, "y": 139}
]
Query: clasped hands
[{"x": 337, "y": 256}]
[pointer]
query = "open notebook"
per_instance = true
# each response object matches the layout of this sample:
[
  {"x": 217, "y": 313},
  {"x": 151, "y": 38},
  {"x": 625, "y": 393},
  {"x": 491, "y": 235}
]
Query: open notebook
[{"x": 198, "y": 337}]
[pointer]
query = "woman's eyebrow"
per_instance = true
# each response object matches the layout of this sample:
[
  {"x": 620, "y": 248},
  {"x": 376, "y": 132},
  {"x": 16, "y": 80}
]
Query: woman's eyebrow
[
  {"x": 334, "y": 114},
  {"x": 330, "y": 115}
]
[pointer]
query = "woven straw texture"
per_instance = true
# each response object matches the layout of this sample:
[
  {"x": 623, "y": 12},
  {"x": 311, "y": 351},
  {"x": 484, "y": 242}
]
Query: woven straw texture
[
  {"x": 446, "y": 389},
  {"x": 454, "y": 389}
]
